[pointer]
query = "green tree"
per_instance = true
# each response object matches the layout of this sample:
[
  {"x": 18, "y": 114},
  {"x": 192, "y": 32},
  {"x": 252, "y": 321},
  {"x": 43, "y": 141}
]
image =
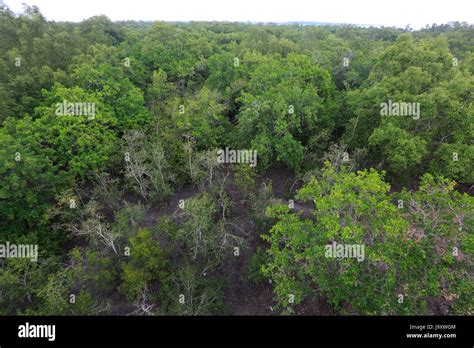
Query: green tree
[
  {"x": 191, "y": 293},
  {"x": 408, "y": 254},
  {"x": 148, "y": 264}
]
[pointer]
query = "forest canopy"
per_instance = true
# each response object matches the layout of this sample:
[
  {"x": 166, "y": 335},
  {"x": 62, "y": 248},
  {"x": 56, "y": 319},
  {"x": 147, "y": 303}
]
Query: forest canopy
[{"x": 210, "y": 168}]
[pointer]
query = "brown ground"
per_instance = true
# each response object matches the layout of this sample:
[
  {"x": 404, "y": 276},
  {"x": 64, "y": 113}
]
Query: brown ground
[{"x": 242, "y": 296}]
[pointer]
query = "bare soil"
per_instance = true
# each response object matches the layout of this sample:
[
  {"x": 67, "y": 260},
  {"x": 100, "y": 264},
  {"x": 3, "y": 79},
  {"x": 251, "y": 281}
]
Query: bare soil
[{"x": 241, "y": 295}]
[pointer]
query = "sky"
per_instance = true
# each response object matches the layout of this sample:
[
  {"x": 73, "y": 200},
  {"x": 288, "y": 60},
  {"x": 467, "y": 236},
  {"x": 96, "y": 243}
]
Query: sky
[{"x": 399, "y": 13}]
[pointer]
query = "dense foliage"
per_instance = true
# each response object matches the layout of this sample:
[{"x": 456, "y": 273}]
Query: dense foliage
[{"x": 109, "y": 141}]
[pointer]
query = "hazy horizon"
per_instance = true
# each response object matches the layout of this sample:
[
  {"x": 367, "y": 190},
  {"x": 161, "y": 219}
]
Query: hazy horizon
[{"x": 363, "y": 12}]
